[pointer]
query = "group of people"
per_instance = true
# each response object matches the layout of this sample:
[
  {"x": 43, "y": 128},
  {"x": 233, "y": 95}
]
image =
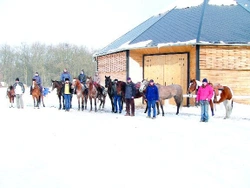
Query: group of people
[
  {"x": 151, "y": 97},
  {"x": 67, "y": 89},
  {"x": 204, "y": 94}
]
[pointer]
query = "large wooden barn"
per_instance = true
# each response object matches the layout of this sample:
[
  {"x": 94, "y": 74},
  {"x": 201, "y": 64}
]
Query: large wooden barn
[{"x": 205, "y": 40}]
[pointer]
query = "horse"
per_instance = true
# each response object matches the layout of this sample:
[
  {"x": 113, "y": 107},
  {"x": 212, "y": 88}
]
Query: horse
[
  {"x": 58, "y": 86},
  {"x": 11, "y": 95},
  {"x": 194, "y": 86},
  {"x": 167, "y": 92},
  {"x": 92, "y": 92},
  {"x": 36, "y": 94},
  {"x": 108, "y": 86},
  {"x": 224, "y": 94},
  {"x": 81, "y": 93},
  {"x": 102, "y": 97}
]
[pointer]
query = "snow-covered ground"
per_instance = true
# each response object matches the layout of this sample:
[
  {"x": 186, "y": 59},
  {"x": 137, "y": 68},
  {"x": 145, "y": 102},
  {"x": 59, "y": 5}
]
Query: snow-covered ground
[{"x": 48, "y": 148}]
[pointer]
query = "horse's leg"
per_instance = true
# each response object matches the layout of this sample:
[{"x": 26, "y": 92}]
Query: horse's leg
[
  {"x": 95, "y": 105},
  {"x": 211, "y": 107},
  {"x": 158, "y": 110},
  {"x": 146, "y": 109},
  {"x": 162, "y": 107},
  {"x": 85, "y": 100},
  {"x": 34, "y": 100},
  {"x": 78, "y": 99},
  {"x": 90, "y": 100},
  {"x": 42, "y": 101},
  {"x": 82, "y": 98},
  {"x": 228, "y": 106}
]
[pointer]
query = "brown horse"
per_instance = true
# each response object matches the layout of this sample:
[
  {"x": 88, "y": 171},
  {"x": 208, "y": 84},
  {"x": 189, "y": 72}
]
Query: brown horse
[
  {"x": 81, "y": 94},
  {"x": 92, "y": 92},
  {"x": 11, "y": 95},
  {"x": 36, "y": 94},
  {"x": 167, "y": 92},
  {"x": 193, "y": 86},
  {"x": 224, "y": 94}
]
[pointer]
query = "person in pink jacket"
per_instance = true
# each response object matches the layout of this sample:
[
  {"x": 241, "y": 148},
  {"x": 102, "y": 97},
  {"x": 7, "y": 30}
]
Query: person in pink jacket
[{"x": 204, "y": 94}]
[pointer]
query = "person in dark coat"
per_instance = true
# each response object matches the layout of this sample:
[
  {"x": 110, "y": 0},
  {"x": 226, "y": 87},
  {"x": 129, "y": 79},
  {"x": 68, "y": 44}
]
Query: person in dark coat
[
  {"x": 82, "y": 78},
  {"x": 152, "y": 96},
  {"x": 129, "y": 97},
  {"x": 117, "y": 98},
  {"x": 67, "y": 91}
]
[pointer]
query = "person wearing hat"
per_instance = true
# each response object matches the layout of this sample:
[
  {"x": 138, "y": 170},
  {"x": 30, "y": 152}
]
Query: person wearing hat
[
  {"x": 117, "y": 98},
  {"x": 19, "y": 91},
  {"x": 129, "y": 97},
  {"x": 38, "y": 80},
  {"x": 204, "y": 95},
  {"x": 152, "y": 96},
  {"x": 67, "y": 92}
]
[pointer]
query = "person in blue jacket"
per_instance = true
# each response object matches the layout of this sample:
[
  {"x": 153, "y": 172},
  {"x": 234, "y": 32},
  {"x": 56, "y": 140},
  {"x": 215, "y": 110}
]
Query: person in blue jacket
[
  {"x": 65, "y": 74},
  {"x": 38, "y": 80},
  {"x": 152, "y": 96}
]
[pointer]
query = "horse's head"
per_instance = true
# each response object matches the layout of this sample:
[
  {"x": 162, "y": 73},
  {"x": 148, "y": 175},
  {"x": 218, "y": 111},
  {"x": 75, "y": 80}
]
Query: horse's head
[
  {"x": 143, "y": 85},
  {"x": 56, "y": 84},
  {"x": 89, "y": 81},
  {"x": 192, "y": 86},
  {"x": 108, "y": 81}
]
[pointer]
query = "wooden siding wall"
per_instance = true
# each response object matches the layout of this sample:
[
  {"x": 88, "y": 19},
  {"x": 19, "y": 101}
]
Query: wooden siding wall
[
  {"x": 113, "y": 65},
  {"x": 227, "y": 65}
]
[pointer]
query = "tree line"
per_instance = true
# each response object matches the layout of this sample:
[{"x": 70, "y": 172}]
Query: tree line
[{"x": 48, "y": 60}]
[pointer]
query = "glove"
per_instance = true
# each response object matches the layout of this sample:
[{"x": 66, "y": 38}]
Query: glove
[{"x": 197, "y": 103}]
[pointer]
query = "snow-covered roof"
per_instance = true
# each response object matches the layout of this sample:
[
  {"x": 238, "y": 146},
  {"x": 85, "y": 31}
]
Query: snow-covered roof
[{"x": 189, "y": 22}]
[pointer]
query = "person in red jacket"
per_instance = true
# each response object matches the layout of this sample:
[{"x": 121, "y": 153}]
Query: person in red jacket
[{"x": 204, "y": 94}]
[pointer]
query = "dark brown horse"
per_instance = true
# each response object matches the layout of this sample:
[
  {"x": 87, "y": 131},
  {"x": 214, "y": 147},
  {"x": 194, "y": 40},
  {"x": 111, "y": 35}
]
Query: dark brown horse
[
  {"x": 224, "y": 94},
  {"x": 194, "y": 86},
  {"x": 81, "y": 94},
  {"x": 108, "y": 85},
  {"x": 167, "y": 92},
  {"x": 11, "y": 96},
  {"x": 58, "y": 86}
]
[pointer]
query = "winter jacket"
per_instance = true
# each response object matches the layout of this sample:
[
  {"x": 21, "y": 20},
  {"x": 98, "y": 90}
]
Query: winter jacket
[
  {"x": 97, "y": 79},
  {"x": 204, "y": 93},
  {"x": 130, "y": 90},
  {"x": 70, "y": 88},
  {"x": 82, "y": 78},
  {"x": 65, "y": 75},
  {"x": 152, "y": 93},
  {"x": 19, "y": 88},
  {"x": 38, "y": 80}
]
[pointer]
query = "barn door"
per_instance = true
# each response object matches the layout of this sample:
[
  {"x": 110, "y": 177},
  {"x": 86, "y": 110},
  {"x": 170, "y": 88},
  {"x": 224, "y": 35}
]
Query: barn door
[{"x": 168, "y": 69}]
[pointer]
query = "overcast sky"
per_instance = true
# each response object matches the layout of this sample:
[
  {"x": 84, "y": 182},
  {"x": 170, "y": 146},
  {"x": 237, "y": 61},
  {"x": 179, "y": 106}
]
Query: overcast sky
[{"x": 94, "y": 23}]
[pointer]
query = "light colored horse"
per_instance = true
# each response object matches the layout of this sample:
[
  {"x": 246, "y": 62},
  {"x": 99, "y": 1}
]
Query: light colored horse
[{"x": 166, "y": 92}]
